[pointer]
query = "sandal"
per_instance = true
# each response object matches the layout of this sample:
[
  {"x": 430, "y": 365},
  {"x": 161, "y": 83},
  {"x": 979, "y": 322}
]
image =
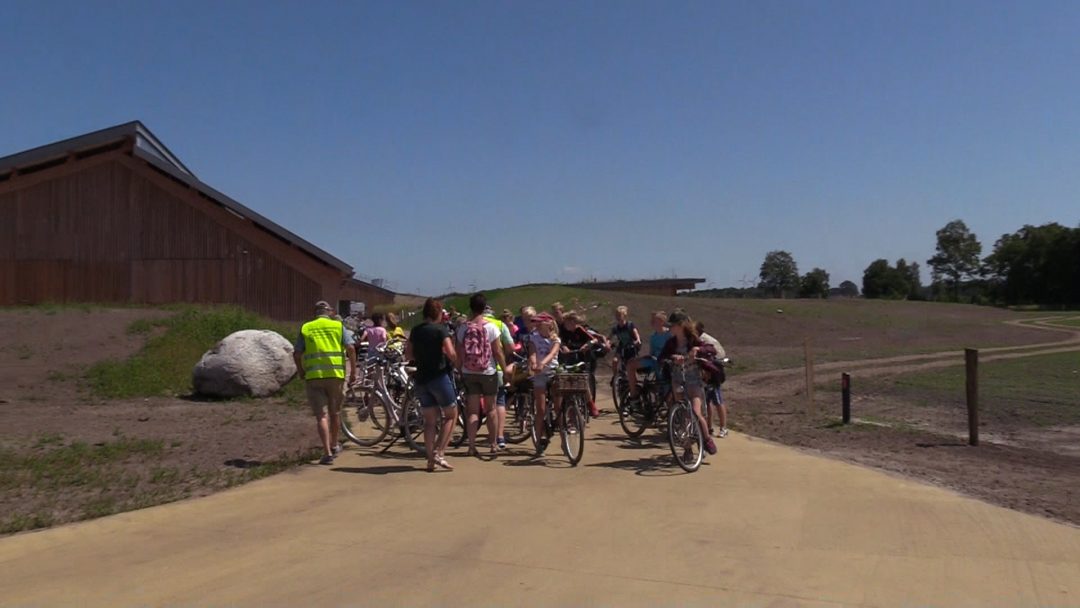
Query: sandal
[{"x": 439, "y": 460}]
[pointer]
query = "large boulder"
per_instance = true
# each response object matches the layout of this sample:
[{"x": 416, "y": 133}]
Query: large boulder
[{"x": 251, "y": 362}]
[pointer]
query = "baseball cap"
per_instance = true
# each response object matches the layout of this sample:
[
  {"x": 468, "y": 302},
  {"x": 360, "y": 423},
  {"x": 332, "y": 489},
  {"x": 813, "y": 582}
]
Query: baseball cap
[
  {"x": 543, "y": 318},
  {"x": 322, "y": 304}
]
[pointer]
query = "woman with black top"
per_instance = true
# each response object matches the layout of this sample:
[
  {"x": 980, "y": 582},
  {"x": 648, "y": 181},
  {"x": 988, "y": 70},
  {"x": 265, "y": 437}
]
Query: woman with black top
[
  {"x": 577, "y": 347},
  {"x": 431, "y": 347}
]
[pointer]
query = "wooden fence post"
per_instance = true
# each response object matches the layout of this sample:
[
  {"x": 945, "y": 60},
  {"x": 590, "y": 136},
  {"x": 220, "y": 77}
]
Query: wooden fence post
[
  {"x": 810, "y": 407},
  {"x": 971, "y": 361},
  {"x": 845, "y": 396}
]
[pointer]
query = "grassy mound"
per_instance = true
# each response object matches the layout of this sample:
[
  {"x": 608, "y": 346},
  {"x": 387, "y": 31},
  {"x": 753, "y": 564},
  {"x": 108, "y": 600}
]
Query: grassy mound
[
  {"x": 540, "y": 296},
  {"x": 163, "y": 366}
]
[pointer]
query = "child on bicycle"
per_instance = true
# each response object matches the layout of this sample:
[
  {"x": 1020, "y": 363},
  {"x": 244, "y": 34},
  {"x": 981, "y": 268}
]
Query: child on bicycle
[
  {"x": 543, "y": 350},
  {"x": 624, "y": 338},
  {"x": 681, "y": 351},
  {"x": 657, "y": 341}
]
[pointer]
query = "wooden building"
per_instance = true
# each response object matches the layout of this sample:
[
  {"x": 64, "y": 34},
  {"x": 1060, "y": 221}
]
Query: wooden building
[
  {"x": 653, "y": 287},
  {"x": 114, "y": 217}
]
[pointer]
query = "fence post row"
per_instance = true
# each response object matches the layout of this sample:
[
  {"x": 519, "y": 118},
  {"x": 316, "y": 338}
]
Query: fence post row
[
  {"x": 845, "y": 396},
  {"x": 810, "y": 407},
  {"x": 971, "y": 364}
]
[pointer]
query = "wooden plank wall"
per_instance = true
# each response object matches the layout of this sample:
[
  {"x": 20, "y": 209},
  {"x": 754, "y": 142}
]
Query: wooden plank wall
[{"x": 115, "y": 233}]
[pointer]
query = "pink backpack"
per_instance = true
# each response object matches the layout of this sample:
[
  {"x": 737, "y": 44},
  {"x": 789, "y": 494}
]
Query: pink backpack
[{"x": 477, "y": 348}]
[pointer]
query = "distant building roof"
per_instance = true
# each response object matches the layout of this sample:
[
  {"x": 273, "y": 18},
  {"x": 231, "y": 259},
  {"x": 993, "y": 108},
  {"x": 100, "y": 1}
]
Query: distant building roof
[
  {"x": 150, "y": 149},
  {"x": 677, "y": 283}
]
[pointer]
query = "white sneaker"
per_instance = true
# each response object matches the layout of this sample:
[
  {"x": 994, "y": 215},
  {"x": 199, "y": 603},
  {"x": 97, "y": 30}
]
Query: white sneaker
[
  {"x": 337, "y": 449},
  {"x": 722, "y": 433}
]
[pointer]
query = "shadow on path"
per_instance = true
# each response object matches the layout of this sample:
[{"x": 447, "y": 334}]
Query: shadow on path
[
  {"x": 660, "y": 465},
  {"x": 379, "y": 470}
]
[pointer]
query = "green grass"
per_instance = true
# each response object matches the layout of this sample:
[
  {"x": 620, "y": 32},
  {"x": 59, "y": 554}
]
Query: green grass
[
  {"x": 57, "y": 482},
  {"x": 1070, "y": 322},
  {"x": 539, "y": 296},
  {"x": 1042, "y": 390},
  {"x": 54, "y": 465},
  {"x": 163, "y": 366}
]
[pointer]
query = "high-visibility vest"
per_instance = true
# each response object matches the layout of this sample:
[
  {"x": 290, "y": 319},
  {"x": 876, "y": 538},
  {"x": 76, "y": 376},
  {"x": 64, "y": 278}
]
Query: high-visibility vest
[{"x": 324, "y": 353}]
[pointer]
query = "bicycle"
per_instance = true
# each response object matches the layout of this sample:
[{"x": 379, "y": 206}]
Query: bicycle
[
  {"x": 382, "y": 403},
  {"x": 651, "y": 407},
  {"x": 684, "y": 430},
  {"x": 573, "y": 387},
  {"x": 520, "y": 410},
  {"x": 620, "y": 380}
]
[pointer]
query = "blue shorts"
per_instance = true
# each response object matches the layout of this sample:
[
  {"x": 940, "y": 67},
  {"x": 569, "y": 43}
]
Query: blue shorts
[
  {"x": 646, "y": 362},
  {"x": 714, "y": 395},
  {"x": 439, "y": 392}
]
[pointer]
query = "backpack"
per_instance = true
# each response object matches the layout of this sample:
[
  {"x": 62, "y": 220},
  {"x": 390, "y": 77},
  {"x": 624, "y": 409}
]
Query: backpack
[
  {"x": 477, "y": 348},
  {"x": 711, "y": 364}
]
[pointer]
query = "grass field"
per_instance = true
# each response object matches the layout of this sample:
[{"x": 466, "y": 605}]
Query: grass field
[
  {"x": 175, "y": 343},
  {"x": 769, "y": 334},
  {"x": 1040, "y": 391}
]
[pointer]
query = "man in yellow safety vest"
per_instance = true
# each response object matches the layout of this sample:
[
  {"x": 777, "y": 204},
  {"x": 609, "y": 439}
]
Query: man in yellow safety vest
[{"x": 320, "y": 353}]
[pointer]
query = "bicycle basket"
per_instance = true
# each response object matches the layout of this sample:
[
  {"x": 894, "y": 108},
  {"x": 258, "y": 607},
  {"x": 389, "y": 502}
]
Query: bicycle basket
[{"x": 570, "y": 383}]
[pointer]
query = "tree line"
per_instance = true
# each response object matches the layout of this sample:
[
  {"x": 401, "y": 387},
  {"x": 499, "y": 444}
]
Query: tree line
[{"x": 1034, "y": 265}]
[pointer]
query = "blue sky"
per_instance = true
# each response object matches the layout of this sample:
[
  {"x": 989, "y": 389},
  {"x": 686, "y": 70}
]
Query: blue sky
[{"x": 459, "y": 144}]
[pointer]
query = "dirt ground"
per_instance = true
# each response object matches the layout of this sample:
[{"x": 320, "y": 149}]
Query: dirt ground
[
  {"x": 79, "y": 456},
  {"x": 83, "y": 457},
  {"x": 1021, "y": 466}
]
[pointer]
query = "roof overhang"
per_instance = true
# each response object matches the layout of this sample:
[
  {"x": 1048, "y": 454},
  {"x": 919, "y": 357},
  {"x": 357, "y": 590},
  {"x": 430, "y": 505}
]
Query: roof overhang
[{"x": 147, "y": 147}]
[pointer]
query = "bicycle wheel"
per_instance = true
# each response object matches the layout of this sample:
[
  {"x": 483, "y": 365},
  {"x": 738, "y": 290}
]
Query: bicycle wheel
[
  {"x": 620, "y": 392},
  {"x": 519, "y": 417},
  {"x": 412, "y": 421},
  {"x": 572, "y": 427},
  {"x": 684, "y": 436},
  {"x": 364, "y": 419},
  {"x": 635, "y": 418}
]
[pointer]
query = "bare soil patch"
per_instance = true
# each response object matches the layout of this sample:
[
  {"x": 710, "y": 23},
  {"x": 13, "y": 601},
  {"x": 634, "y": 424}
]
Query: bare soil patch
[
  {"x": 911, "y": 419},
  {"x": 68, "y": 455},
  {"x": 1036, "y": 481}
]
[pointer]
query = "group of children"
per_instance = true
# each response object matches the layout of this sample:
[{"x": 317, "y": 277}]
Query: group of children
[
  {"x": 546, "y": 340},
  {"x": 675, "y": 338}
]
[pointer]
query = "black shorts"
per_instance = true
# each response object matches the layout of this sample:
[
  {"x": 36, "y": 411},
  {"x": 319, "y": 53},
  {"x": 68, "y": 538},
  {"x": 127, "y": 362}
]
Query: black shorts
[{"x": 484, "y": 385}]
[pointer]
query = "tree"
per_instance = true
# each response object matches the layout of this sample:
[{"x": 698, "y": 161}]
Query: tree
[
  {"x": 779, "y": 274},
  {"x": 910, "y": 274},
  {"x": 815, "y": 284},
  {"x": 957, "y": 257},
  {"x": 881, "y": 280},
  {"x": 849, "y": 289},
  {"x": 1036, "y": 265}
]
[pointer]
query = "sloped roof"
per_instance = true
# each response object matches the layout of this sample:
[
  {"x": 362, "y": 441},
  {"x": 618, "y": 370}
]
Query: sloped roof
[{"x": 150, "y": 149}]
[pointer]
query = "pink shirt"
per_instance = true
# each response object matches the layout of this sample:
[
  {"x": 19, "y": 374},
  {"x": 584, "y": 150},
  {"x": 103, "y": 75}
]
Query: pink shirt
[{"x": 375, "y": 336}]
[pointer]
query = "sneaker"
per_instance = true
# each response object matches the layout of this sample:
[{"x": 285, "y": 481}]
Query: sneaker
[
  {"x": 722, "y": 433},
  {"x": 501, "y": 442},
  {"x": 337, "y": 449},
  {"x": 541, "y": 446},
  {"x": 710, "y": 446},
  {"x": 328, "y": 459}
]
